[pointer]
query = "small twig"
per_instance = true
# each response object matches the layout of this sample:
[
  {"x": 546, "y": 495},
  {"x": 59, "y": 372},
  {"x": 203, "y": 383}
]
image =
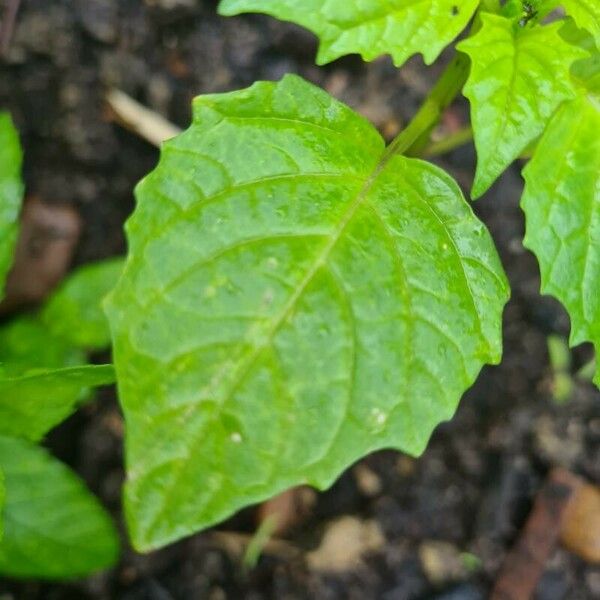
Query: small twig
[
  {"x": 8, "y": 25},
  {"x": 525, "y": 563},
  {"x": 148, "y": 124}
]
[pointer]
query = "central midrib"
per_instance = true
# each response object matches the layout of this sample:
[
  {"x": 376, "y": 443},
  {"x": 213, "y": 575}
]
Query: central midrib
[{"x": 245, "y": 363}]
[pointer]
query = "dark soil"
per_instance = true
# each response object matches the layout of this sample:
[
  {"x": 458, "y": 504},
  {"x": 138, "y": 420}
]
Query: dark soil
[{"x": 475, "y": 484}]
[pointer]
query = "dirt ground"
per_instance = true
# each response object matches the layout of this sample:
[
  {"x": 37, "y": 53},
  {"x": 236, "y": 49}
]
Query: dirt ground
[{"x": 433, "y": 527}]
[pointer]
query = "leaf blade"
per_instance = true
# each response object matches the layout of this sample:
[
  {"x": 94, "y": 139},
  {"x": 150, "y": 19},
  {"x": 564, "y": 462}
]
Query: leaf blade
[
  {"x": 561, "y": 202},
  {"x": 74, "y": 312},
  {"x": 11, "y": 192},
  {"x": 283, "y": 361},
  {"x": 519, "y": 76},
  {"x": 34, "y": 402},
  {"x": 586, "y": 13},
  {"x": 400, "y": 28},
  {"x": 54, "y": 527}
]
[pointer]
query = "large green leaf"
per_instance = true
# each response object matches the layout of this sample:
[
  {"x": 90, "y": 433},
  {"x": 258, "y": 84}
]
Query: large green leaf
[
  {"x": 562, "y": 205},
  {"x": 294, "y": 298},
  {"x": 32, "y": 403},
  {"x": 397, "y": 27},
  {"x": 519, "y": 76},
  {"x": 11, "y": 192},
  {"x": 74, "y": 312},
  {"x": 53, "y": 527}
]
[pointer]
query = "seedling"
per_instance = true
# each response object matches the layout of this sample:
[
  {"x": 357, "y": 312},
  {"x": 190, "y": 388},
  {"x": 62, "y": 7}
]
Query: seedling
[
  {"x": 50, "y": 524},
  {"x": 297, "y": 294}
]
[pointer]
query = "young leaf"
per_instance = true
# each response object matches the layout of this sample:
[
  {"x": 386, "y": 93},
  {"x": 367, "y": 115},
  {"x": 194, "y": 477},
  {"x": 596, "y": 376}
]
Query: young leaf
[
  {"x": 586, "y": 13},
  {"x": 400, "y": 28},
  {"x": 53, "y": 527},
  {"x": 519, "y": 76},
  {"x": 562, "y": 205},
  {"x": 585, "y": 72},
  {"x": 33, "y": 403},
  {"x": 74, "y": 312},
  {"x": 11, "y": 192},
  {"x": 294, "y": 298},
  {"x": 25, "y": 343}
]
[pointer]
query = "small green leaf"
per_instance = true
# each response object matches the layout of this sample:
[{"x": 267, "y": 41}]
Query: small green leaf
[
  {"x": 33, "y": 403},
  {"x": 586, "y": 13},
  {"x": 74, "y": 312},
  {"x": 400, "y": 28},
  {"x": 294, "y": 298},
  {"x": 11, "y": 193},
  {"x": 586, "y": 72},
  {"x": 519, "y": 76},
  {"x": 53, "y": 527},
  {"x": 25, "y": 343},
  {"x": 561, "y": 202}
]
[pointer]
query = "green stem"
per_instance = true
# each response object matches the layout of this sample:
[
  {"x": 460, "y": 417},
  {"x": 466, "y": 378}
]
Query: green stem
[
  {"x": 454, "y": 140},
  {"x": 413, "y": 138}
]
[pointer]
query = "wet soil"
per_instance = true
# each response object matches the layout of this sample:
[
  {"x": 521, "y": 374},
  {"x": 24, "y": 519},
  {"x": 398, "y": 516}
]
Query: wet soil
[{"x": 473, "y": 487}]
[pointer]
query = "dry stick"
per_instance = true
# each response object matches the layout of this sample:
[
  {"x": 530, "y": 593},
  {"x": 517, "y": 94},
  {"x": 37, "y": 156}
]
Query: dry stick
[
  {"x": 141, "y": 120},
  {"x": 8, "y": 25},
  {"x": 524, "y": 564}
]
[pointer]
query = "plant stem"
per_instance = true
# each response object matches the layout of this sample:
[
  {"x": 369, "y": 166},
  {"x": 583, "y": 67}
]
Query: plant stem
[
  {"x": 413, "y": 138},
  {"x": 449, "y": 143}
]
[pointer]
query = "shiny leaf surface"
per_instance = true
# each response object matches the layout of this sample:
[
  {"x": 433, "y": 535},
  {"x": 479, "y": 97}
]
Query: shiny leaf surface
[
  {"x": 400, "y": 28},
  {"x": 11, "y": 192},
  {"x": 562, "y": 205},
  {"x": 53, "y": 527},
  {"x": 519, "y": 76},
  {"x": 294, "y": 298}
]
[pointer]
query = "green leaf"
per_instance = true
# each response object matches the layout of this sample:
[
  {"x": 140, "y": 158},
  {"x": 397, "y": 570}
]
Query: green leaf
[
  {"x": 25, "y": 343},
  {"x": 585, "y": 72},
  {"x": 33, "y": 403},
  {"x": 53, "y": 527},
  {"x": 586, "y": 13},
  {"x": 2, "y": 501},
  {"x": 74, "y": 312},
  {"x": 561, "y": 202},
  {"x": 519, "y": 76},
  {"x": 11, "y": 193},
  {"x": 400, "y": 28},
  {"x": 294, "y": 298}
]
